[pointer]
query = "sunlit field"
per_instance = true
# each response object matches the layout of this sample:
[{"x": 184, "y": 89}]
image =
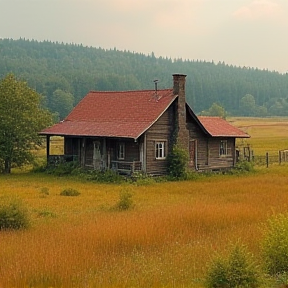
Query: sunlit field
[
  {"x": 267, "y": 134},
  {"x": 166, "y": 240}
]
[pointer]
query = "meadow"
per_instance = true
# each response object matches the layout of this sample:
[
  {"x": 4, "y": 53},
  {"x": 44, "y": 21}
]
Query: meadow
[{"x": 166, "y": 240}]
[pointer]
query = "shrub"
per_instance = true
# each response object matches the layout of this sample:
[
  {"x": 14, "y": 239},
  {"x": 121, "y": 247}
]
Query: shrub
[
  {"x": 244, "y": 166},
  {"x": 63, "y": 168},
  {"x": 236, "y": 270},
  {"x": 141, "y": 179},
  {"x": 69, "y": 192},
  {"x": 101, "y": 176},
  {"x": 125, "y": 201},
  {"x": 177, "y": 163},
  {"x": 44, "y": 191},
  {"x": 13, "y": 215},
  {"x": 275, "y": 244}
]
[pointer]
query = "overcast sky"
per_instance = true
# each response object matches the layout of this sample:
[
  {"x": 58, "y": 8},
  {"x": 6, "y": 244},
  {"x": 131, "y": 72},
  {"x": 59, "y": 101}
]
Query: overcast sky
[{"x": 250, "y": 33}]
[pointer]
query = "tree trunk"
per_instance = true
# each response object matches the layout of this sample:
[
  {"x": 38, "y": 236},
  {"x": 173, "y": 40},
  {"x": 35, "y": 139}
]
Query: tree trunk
[{"x": 7, "y": 166}]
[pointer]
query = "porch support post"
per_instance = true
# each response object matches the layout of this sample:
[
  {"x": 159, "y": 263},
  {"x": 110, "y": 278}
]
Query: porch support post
[
  {"x": 144, "y": 164},
  {"x": 47, "y": 148},
  {"x": 104, "y": 154}
]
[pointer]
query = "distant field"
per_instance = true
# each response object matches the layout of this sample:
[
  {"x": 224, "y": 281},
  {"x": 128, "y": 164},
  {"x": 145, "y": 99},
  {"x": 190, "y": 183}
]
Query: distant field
[
  {"x": 267, "y": 134},
  {"x": 165, "y": 241}
]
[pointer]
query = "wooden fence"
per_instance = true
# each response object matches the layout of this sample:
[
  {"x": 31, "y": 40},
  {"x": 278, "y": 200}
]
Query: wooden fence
[{"x": 271, "y": 158}]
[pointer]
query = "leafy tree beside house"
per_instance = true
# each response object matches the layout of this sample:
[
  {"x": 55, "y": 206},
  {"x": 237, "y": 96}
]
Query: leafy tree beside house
[
  {"x": 215, "y": 110},
  {"x": 21, "y": 118}
]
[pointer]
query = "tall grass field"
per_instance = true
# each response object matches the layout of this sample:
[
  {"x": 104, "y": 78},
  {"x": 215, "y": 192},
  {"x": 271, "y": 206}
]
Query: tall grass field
[{"x": 166, "y": 239}]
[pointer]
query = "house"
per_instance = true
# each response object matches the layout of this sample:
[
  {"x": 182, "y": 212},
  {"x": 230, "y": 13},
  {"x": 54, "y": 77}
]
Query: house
[{"x": 135, "y": 131}]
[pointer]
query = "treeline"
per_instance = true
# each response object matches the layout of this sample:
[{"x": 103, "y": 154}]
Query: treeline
[{"x": 64, "y": 73}]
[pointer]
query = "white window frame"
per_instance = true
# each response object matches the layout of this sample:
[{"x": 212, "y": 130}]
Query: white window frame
[
  {"x": 121, "y": 151},
  {"x": 223, "y": 148},
  {"x": 160, "y": 151}
]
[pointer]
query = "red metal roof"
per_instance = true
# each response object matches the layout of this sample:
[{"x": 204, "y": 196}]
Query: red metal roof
[
  {"x": 114, "y": 114},
  {"x": 218, "y": 127}
]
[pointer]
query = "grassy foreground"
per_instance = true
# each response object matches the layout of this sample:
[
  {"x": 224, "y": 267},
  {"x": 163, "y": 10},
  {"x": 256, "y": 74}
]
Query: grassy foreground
[{"x": 166, "y": 240}]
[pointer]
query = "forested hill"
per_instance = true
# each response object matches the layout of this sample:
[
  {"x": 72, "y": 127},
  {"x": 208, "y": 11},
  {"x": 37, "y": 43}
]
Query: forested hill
[{"x": 64, "y": 73}]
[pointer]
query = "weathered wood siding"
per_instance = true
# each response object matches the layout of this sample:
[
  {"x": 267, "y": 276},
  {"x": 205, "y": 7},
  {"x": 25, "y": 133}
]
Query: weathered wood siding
[
  {"x": 217, "y": 161},
  {"x": 131, "y": 151},
  {"x": 162, "y": 130},
  {"x": 208, "y": 149}
]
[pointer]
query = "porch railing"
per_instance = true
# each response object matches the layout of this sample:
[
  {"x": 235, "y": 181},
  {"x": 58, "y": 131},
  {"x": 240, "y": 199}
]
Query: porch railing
[
  {"x": 54, "y": 160},
  {"x": 125, "y": 167}
]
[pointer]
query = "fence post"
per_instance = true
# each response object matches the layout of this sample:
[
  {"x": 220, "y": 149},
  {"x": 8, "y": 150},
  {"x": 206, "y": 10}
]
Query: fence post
[
  {"x": 267, "y": 159},
  {"x": 280, "y": 160}
]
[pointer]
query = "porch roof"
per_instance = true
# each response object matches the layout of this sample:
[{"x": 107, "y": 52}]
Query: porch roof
[
  {"x": 125, "y": 114},
  {"x": 218, "y": 127}
]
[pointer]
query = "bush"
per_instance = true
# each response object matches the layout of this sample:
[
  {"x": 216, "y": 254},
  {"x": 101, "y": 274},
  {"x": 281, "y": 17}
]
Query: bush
[
  {"x": 63, "y": 168},
  {"x": 13, "y": 215},
  {"x": 141, "y": 179},
  {"x": 244, "y": 166},
  {"x": 104, "y": 176},
  {"x": 275, "y": 244},
  {"x": 237, "y": 270},
  {"x": 125, "y": 201},
  {"x": 44, "y": 191},
  {"x": 177, "y": 163},
  {"x": 69, "y": 192}
]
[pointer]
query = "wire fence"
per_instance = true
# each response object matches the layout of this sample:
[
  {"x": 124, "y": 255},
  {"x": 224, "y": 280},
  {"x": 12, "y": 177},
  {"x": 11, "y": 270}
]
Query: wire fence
[{"x": 271, "y": 158}]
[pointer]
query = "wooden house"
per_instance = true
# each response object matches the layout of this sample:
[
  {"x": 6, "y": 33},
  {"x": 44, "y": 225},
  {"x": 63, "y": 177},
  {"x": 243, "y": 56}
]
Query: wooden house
[{"x": 135, "y": 131}]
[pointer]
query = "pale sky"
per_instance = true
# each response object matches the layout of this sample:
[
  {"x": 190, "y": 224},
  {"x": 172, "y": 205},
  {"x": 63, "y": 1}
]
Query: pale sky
[{"x": 251, "y": 33}]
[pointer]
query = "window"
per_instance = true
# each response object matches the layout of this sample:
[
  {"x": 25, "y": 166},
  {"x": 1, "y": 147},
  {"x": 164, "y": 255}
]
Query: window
[
  {"x": 223, "y": 147},
  {"x": 121, "y": 151},
  {"x": 160, "y": 150}
]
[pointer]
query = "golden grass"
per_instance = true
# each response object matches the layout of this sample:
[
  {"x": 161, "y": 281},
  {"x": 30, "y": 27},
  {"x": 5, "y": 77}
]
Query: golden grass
[
  {"x": 165, "y": 241},
  {"x": 267, "y": 134}
]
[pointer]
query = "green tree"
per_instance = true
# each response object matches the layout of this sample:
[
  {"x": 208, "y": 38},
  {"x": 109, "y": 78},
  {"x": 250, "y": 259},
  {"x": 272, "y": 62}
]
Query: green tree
[
  {"x": 215, "y": 110},
  {"x": 248, "y": 105},
  {"x": 61, "y": 102},
  {"x": 21, "y": 118}
]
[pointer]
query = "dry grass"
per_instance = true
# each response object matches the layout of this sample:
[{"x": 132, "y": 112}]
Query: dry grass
[
  {"x": 267, "y": 134},
  {"x": 165, "y": 241}
]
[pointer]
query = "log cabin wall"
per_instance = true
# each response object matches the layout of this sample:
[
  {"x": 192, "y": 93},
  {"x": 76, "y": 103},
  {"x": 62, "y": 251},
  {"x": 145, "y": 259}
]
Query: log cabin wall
[
  {"x": 208, "y": 149},
  {"x": 202, "y": 146},
  {"x": 162, "y": 130},
  {"x": 131, "y": 150},
  {"x": 217, "y": 161}
]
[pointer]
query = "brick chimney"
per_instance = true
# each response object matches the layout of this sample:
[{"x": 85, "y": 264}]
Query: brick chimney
[{"x": 179, "y": 89}]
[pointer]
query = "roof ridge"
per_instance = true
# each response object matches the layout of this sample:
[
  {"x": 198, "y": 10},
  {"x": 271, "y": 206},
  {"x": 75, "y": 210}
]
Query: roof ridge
[
  {"x": 127, "y": 91},
  {"x": 204, "y": 116}
]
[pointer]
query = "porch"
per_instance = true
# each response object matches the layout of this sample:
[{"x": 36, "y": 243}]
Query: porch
[{"x": 121, "y": 167}]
